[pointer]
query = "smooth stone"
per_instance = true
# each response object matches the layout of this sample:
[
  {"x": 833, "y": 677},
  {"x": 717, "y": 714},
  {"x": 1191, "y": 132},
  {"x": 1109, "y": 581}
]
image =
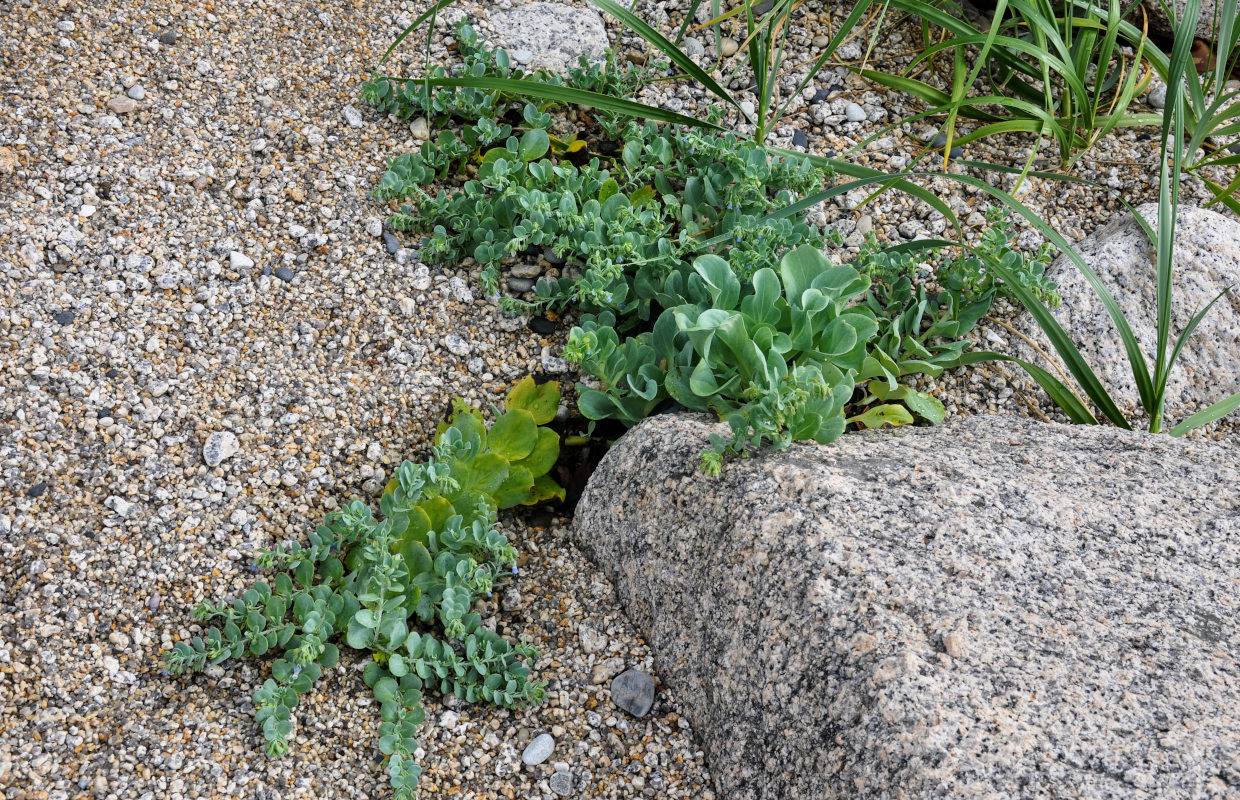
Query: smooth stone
[
  {"x": 220, "y": 446},
  {"x": 136, "y": 92},
  {"x": 168, "y": 37},
  {"x": 285, "y": 274},
  {"x": 525, "y": 270},
  {"x": 521, "y": 285},
  {"x": 855, "y": 113},
  {"x": 633, "y": 691},
  {"x": 692, "y": 47},
  {"x": 374, "y": 227},
  {"x": 352, "y": 116},
  {"x": 865, "y": 224},
  {"x": 820, "y": 41},
  {"x": 122, "y": 105},
  {"x": 538, "y": 750},
  {"x": 420, "y": 129},
  {"x": 239, "y": 260},
  {"x": 728, "y": 47},
  {"x": 65, "y": 318},
  {"x": 390, "y": 242},
  {"x": 799, "y": 140}
]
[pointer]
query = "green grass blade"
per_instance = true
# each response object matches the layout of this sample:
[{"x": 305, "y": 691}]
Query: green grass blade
[
  {"x": 1061, "y": 395},
  {"x": 524, "y": 87},
  {"x": 413, "y": 26},
  {"x": 1062, "y": 343},
  {"x": 659, "y": 41},
  {"x": 1217, "y": 411}
]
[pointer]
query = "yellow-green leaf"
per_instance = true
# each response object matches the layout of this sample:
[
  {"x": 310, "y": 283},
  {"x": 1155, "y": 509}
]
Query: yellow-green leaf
[{"x": 542, "y": 401}]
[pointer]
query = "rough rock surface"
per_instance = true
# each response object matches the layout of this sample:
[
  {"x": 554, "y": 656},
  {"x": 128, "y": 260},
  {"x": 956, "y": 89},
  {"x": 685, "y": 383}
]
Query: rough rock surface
[
  {"x": 549, "y": 35},
  {"x": 1160, "y": 22},
  {"x": 1207, "y": 261},
  {"x": 990, "y": 608}
]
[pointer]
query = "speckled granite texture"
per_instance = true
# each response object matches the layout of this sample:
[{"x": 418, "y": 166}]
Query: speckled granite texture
[
  {"x": 1207, "y": 261},
  {"x": 992, "y": 608}
]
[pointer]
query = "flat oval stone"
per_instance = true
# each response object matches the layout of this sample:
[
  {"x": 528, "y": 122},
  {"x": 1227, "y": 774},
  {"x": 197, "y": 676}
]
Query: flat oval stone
[
  {"x": 538, "y": 750},
  {"x": 633, "y": 691}
]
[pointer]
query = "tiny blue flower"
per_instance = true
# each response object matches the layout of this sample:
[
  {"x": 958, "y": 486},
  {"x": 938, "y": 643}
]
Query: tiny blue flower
[
  {"x": 296, "y": 671},
  {"x": 514, "y": 570}
]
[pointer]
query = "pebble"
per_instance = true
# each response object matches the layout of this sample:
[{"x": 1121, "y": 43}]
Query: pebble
[
  {"x": 220, "y": 446},
  {"x": 168, "y": 37},
  {"x": 122, "y": 105},
  {"x": 633, "y": 691},
  {"x": 284, "y": 273},
  {"x": 239, "y": 260},
  {"x": 522, "y": 56},
  {"x": 352, "y": 116},
  {"x": 748, "y": 107},
  {"x": 136, "y": 92},
  {"x": 562, "y": 783},
  {"x": 420, "y": 129},
  {"x": 64, "y": 318},
  {"x": 820, "y": 41},
  {"x": 692, "y": 47},
  {"x": 799, "y": 140},
  {"x": 390, "y": 242},
  {"x": 538, "y": 750},
  {"x": 855, "y": 113},
  {"x": 374, "y": 227},
  {"x": 457, "y": 345},
  {"x": 865, "y": 224},
  {"x": 37, "y": 490},
  {"x": 728, "y": 47}
]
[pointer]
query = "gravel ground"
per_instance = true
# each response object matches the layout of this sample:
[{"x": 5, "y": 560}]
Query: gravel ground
[{"x": 187, "y": 249}]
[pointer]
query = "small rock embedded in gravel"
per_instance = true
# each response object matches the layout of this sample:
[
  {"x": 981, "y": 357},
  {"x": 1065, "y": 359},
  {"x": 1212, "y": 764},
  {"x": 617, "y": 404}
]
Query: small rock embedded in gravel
[
  {"x": 64, "y": 318},
  {"x": 122, "y": 105},
  {"x": 352, "y": 116},
  {"x": 239, "y": 260},
  {"x": 799, "y": 140},
  {"x": 520, "y": 285},
  {"x": 457, "y": 345},
  {"x": 460, "y": 290},
  {"x": 136, "y": 92},
  {"x": 865, "y": 224},
  {"x": 120, "y": 505},
  {"x": 390, "y": 242},
  {"x": 854, "y": 113},
  {"x": 168, "y": 37},
  {"x": 220, "y": 445},
  {"x": 693, "y": 47},
  {"x": 374, "y": 227},
  {"x": 728, "y": 47},
  {"x": 821, "y": 95},
  {"x": 538, "y": 750},
  {"x": 285, "y": 274},
  {"x": 541, "y": 325},
  {"x": 562, "y": 783},
  {"x": 37, "y": 490},
  {"x": 820, "y": 41},
  {"x": 633, "y": 691},
  {"x": 420, "y": 129}
]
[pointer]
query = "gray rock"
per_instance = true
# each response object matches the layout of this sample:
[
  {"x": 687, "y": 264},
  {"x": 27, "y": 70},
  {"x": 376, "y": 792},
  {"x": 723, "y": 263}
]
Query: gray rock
[
  {"x": 562, "y": 783},
  {"x": 869, "y": 613},
  {"x": 460, "y": 290},
  {"x": 520, "y": 285},
  {"x": 239, "y": 260},
  {"x": 168, "y": 37},
  {"x": 390, "y": 242},
  {"x": 538, "y": 750},
  {"x": 352, "y": 116},
  {"x": 136, "y": 92},
  {"x": 1207, "y": 260},
  {"x": 854, "y": 113},
  {"x": 525, "y": 270},
  {"x": 221, "y": 445},
  {"x": 374, "y": 227},
  {"x": 284, "y": 273},
  {"x": 420, "y": 129},
  {"x": 692, "y": 47},
  {"x": 555, "y": 34},
  {"x": 633, "y": 691},
  {"x": 457, "y": 345}
]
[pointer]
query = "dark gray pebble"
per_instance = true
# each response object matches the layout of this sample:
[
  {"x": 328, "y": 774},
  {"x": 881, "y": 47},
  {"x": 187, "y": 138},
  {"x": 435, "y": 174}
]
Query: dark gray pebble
[
  {"x": 285, "y": 274},
  {"x": 168, "y": 37},
  {"x": 391, "y": 242},
  {"x": 64, "y": 318},
  {"x": 37, "y": 490},
  {"x": 633, "y": 691},
  {"x": 541, "y": 325},
  {"x": 799, "y": 140}
]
